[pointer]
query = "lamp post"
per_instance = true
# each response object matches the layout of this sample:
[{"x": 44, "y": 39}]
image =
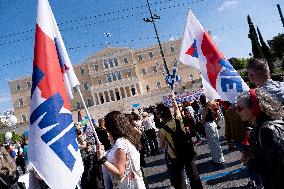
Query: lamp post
[{"x": 152, "y": 19}]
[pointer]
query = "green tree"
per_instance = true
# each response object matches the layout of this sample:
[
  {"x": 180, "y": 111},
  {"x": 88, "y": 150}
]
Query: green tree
[
  {"x": 266, "y": 51},
  {"x": 256, "y": 48},
  {"x": 238, "y": 63},
  {"x": 277, "y": 47}
]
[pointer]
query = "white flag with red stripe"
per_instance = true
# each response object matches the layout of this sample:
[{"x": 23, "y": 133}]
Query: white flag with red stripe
[
  {"x": 53, "y": 149},
  {"x": 199, "y": 51}
]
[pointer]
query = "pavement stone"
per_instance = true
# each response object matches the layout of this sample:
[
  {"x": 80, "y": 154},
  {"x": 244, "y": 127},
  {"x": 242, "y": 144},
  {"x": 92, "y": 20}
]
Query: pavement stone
[{"x": 230, "y": 175}]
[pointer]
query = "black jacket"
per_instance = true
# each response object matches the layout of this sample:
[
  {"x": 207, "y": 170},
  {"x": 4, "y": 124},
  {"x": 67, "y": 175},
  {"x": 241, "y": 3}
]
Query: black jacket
[
  {"x": 9, "y": 181},
  {"x": 267, "y": 147}
]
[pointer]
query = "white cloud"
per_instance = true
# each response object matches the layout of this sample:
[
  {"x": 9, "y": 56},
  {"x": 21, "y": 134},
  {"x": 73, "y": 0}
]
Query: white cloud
[{"x": 227, "y": 4}]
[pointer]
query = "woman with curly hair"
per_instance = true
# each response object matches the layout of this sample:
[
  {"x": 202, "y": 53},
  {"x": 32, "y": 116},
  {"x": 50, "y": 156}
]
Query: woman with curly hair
[
  {"x": 8, "y": 173},
  {"x": 266, "y": 156},
  {"x": 122, "y": 161}
]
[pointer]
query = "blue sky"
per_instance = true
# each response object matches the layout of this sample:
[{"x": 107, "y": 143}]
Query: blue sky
[{"x": 84, "y": 22}]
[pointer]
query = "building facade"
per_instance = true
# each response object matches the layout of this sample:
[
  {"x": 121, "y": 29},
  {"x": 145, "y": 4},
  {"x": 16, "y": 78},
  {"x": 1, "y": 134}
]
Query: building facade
[{"x": 116, "y": 79}]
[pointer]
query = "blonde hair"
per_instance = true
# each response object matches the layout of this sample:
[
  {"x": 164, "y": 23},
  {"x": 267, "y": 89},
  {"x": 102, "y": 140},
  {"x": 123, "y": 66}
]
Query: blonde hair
[{"x": 7, "y": 164}]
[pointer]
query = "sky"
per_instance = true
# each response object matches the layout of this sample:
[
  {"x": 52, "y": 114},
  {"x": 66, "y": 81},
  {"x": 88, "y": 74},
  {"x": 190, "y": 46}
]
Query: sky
[{"x": 83, "y": 24}]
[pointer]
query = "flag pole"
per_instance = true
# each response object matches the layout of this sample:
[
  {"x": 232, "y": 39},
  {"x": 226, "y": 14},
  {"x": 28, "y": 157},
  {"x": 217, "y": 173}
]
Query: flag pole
[{"x": 88, "y": 114}]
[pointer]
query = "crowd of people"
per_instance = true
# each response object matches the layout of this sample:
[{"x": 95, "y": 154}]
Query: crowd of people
[{"x": 253, "y": 125}]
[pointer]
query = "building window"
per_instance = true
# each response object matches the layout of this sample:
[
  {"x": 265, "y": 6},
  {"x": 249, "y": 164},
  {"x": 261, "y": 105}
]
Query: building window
[
  {"x": 105, "y": 64},
  {"x": 117, "y": 95},
  {"x": 118, "y": 75},
  {"x": 154, "y": 69},
  {"x": 128, "y": 73},
  {"x": 18, "y": 87},
  {"x": 99, "y": 81},
  {"x": 151, "y": 54},
  {"x": 89, "y": 102},
  {"x": 96, "y": 67},
  {"x": 86, "y": 87},
  {"x": 110, "y": 63},
  {"x": 29, "y": 84},
  {"x": 143, "y": 71},
  {"x": 147, "y": 88},
  {"x": 125, "y": 61},
  {"x": 133, "y": 91},
  {"x": 109, "y": 78},
  {"x": 102, "y": 99},
  {"x": 21, "y": 102},
  {"x": 82, "y": 70},
  {"x": 158, "y": 84},
  {"x": 139, "y": 57},
  {"x": 24, "y": 118},
  {"x": 172, "y": 49},
  {"x": 115, "y": 61},
  {"x": 114, "y": 76},
  {"x": 78, "y": 105}
]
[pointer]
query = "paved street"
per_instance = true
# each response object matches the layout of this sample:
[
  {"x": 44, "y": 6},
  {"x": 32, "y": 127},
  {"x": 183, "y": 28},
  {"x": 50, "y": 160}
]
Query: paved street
[{"x": 231, "y": 175}]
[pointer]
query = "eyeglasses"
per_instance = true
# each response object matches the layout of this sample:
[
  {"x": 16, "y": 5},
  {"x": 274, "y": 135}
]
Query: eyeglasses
[{"x": 239, "y": 109}]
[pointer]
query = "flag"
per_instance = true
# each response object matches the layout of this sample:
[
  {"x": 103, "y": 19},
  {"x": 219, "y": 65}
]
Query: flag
[
  {"x": 107, "y": 34},
  {"x": 175, "y": 76},
  {"x": 53, "y": 148},
  {"x": 69, "y": 75},
  {"x": 199, "y": 51}
]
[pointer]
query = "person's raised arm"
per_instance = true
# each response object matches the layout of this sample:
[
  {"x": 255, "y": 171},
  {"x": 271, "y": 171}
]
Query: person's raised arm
[{"x": 176, "y": 108}]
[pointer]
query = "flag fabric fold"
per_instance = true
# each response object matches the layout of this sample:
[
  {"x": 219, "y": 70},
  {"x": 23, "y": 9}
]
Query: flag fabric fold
[
  {"x": 198, "y": 50},
  {"x": 53, "y": 148}
]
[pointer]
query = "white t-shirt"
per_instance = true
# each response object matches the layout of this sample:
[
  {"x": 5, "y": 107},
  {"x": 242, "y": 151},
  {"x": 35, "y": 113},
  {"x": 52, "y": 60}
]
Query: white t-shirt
[
  {"x": 148, "y": 123},
  {"x": 129, "y": 148}
]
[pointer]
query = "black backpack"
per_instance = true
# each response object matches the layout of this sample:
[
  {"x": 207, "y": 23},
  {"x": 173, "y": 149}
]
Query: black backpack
[{"x": 183, "y": 145}]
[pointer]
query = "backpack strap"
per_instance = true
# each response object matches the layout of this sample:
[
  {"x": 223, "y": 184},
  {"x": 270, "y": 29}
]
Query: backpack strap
[{"x": 168, "y": 130}]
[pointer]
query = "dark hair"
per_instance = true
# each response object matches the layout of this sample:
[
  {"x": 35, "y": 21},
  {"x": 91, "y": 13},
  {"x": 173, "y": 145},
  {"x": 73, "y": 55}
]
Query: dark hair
[
  {"x": 202, "y": 99},
  {"x": 135, "y": 116},
  {"x": 7, "y": 164},
  {"x": 118, "y": 125},
  {"x": 164, "y": 111},
  {"x": 195, "y": 105},
  {"x": 78, "y": 132},
  {"x": 258, "y": 64}
]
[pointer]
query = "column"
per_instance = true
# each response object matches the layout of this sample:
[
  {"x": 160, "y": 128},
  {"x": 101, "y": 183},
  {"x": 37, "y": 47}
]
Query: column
[
  {"x": 104, "y": 97},
  {"x": 111, "y": 95},
  {"x": 122, "y": 90},
  {"x": 138, "y": 89},
  {"x": 114, "y": 95},
  {"x": 97, "y": 99},
  {"x": 108, "y": 96},
  {"x": 127, "y": 92}
]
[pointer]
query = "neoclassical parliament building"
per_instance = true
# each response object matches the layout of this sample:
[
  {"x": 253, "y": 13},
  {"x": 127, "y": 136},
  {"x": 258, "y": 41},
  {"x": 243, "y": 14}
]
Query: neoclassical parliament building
[{"x": 116, "y": 79}]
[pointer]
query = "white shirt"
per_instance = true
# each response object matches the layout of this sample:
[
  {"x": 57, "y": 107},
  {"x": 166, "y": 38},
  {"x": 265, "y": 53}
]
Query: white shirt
[
  {"x": 129, "y": 148},
  {"x": 148, "y": 123}
]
